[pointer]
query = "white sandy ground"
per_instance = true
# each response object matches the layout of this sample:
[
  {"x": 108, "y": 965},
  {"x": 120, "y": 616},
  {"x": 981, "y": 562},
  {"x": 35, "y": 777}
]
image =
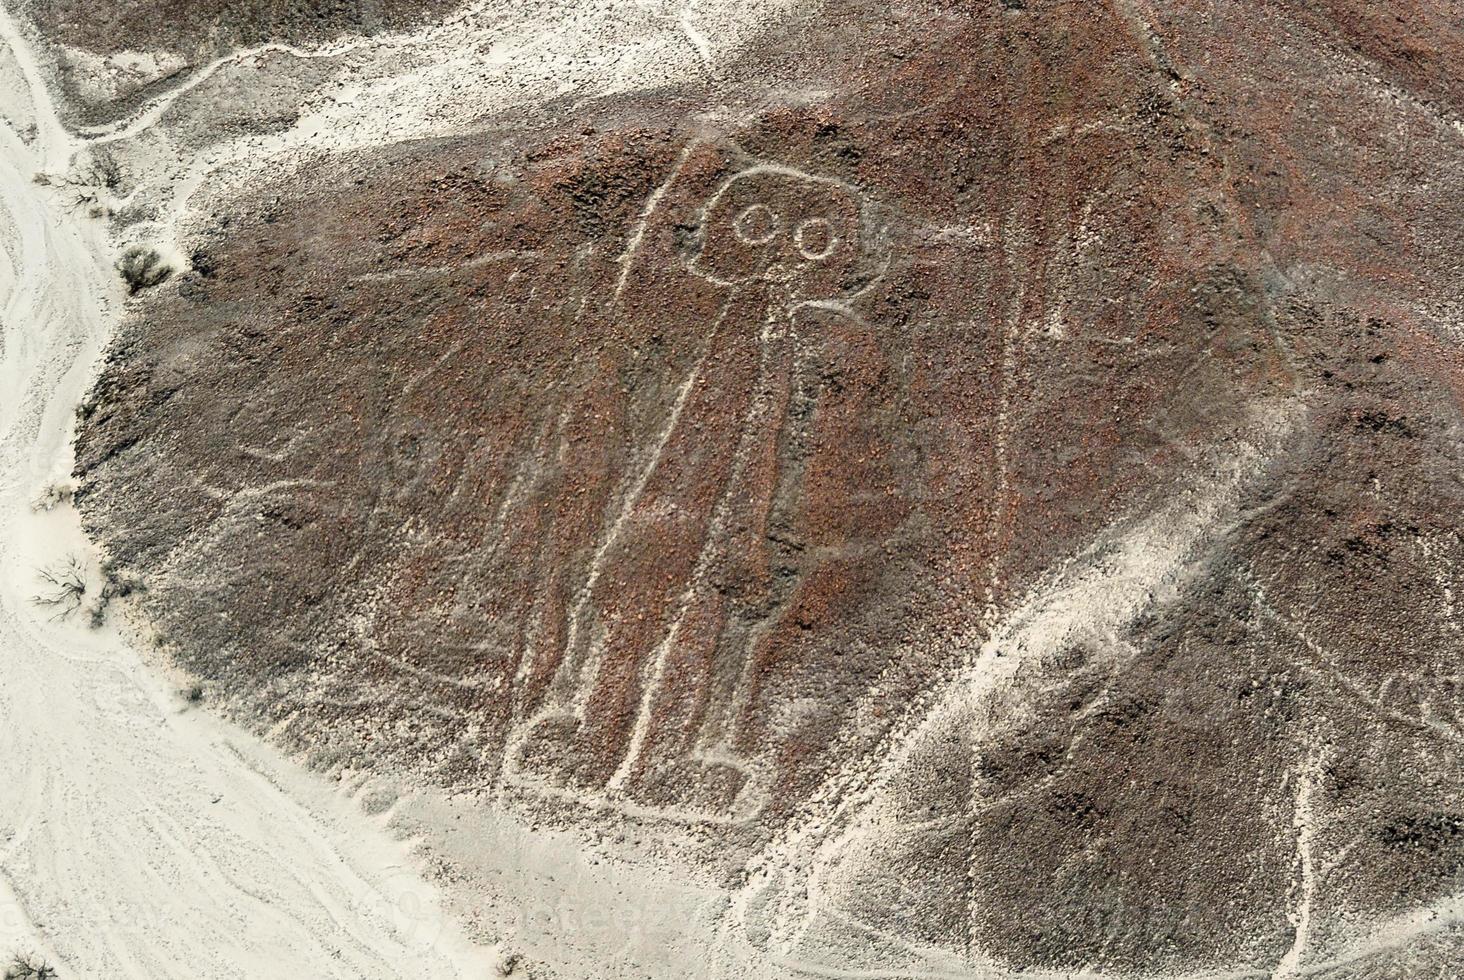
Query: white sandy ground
[{"x": 142, "y": 839}]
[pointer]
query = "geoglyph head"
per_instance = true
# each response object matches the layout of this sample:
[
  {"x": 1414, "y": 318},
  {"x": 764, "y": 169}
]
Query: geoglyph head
[{"x": 779, "y": 225}]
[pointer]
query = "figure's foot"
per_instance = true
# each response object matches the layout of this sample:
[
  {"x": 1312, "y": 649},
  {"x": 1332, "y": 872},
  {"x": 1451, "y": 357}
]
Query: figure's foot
[
  {"x": 699, "y": 788},
  {"x": 554, "y": 753}
]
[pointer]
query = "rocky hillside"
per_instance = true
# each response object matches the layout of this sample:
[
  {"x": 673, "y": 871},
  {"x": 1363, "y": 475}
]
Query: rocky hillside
[{"x": 980, "y": 481}]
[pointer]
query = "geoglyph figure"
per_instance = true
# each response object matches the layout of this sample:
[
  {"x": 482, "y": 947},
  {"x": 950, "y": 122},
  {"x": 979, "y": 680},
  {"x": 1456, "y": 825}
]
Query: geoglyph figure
[{"x": 703, "y": 556}]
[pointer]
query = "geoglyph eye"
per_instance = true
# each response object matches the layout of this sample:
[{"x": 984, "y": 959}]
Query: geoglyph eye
[
  {"x": 756, "y": 225},
  {"x": 775, "y": 224},
  {"x": 815, "y": 239}
]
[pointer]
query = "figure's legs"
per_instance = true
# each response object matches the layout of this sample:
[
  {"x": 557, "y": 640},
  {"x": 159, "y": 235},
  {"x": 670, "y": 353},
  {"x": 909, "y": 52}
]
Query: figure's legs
[
  {"x": 736, "y": 581},
  {"x": 816, "y": 538},
  {"x": 637, "y": 578}
]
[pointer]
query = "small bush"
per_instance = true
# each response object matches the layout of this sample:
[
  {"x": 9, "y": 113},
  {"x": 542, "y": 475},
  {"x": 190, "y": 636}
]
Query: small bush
[
  {"x": 143, "y": 268},
  {"x": 53, "y": 496},
  {"x": 24, "y": 967},
  {"x": 64, "y": 588},
  {"x": 104, "y": 171}
]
